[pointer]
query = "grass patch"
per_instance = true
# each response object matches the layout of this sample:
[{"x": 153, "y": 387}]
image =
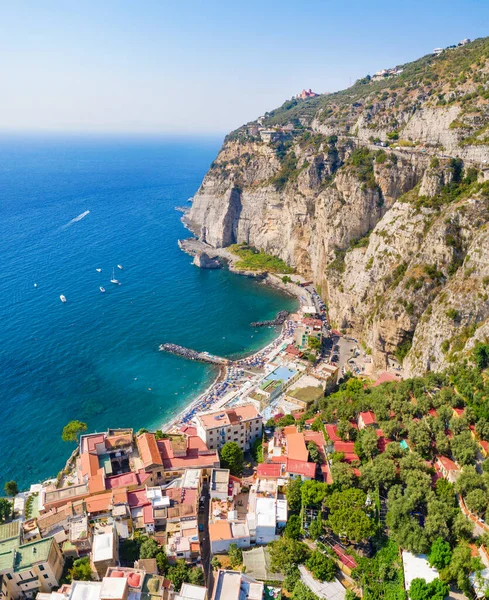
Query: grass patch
[{"x": 252, "y": 259}]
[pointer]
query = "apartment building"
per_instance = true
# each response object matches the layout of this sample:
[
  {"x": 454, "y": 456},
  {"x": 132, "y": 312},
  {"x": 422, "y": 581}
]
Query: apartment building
[{"x": 242, "y": 424}]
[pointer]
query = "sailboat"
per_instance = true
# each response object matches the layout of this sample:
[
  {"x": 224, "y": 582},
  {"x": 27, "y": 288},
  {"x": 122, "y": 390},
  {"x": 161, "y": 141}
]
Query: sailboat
[
  {"x": 102, "y": 289},
  {"x": 62, "y": 298},
  {"x": 114, "y": 280}
]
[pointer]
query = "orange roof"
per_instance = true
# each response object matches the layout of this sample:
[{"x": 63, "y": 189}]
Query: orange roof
[
  {"x": 315, "y": 436},
  {"x": 327, "y": 476},
  {"x": 89, "y": 464},
  {"x": 367, "y": 417},
  {"x": 288, "y": 429},
  {"x": 102, "y": 502},
  {"x": 91, "y": 441},
  {"x": 332, "y": 430},
  {"x": 269, "y": 470},
  {"x": 96, "y": 483},
  {"x": 296, "y": 447},
  {"x": 148, "y": 450},
  {"x": 384, "y": 378},
  {"x": 301, "y": 467},
  {"x": 220, "y": 530},
  {"x": 447, "y": 463}
]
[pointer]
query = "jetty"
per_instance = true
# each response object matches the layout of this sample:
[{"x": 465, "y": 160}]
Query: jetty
[
  {"x": 190, "y": 354},
  {"x": 279, "y": 320}
]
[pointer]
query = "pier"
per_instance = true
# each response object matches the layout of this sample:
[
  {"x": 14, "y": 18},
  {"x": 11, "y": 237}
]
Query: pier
[
  {"x": 279, "y": 320},
  {"x": 190, "y": 354}
]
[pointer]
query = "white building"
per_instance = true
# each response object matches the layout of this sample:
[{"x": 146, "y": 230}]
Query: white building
[
  {"x": 234, "y": 585},
  {"x": 242, "y": 425},
  {"x": 416, "y": 565}
]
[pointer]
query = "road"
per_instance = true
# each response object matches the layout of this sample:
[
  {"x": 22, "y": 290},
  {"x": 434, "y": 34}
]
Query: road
[{"x": 205, "y": 549}]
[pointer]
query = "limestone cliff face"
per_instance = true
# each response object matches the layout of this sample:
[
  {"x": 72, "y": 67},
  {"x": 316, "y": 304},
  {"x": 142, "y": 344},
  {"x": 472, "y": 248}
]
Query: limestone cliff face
[{"x": 395, "y": 238}]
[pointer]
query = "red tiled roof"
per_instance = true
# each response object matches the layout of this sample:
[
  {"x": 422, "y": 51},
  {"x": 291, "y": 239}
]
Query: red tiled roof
[
  {"x": 350, "y": 457},
  {"x": 123, "y": 480},
  {"x": 367, "y": 417},
  {"x": 137, "y": 498},
  {"x": 296, "y": 447},
  {"x": 346, "y": 559},
  {"x": 148, "y": 514},
  {"x": 447, "y": 463},
  {"x": 433, "y": 412},
  {"x": 292, "y": 350},
  {"x": 148, "y": 450},
  {"x": 332, "y": 431},
  {"x": 346, "y": 447},
  {"x": 384, "y": 378},
  {"x": 459, "y": 411},
  {"x": 300, "y": 467},
  {"x": 188, "y": 430},
  {"x": 272, "y": 470},
  {"x": 326, "y": 471},
  {"x": 315, "y": 436}
]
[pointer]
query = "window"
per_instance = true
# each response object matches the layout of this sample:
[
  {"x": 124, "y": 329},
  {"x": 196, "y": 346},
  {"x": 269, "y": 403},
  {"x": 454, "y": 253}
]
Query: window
[
  {"x": 9, "y": 576},
  {"x": 158, "y": 474},
  {"x": 41, "y": 568},
  {"x": 46, "y": 575}
]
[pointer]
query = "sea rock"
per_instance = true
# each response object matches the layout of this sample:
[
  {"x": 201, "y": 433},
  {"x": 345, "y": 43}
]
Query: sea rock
[{"x": 204, "y": 261}]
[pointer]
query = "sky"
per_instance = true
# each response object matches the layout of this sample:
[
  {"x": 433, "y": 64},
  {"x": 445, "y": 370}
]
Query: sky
[{"x": 202, "y": 67}]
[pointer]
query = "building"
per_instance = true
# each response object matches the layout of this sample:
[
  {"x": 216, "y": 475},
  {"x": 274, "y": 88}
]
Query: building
[
  {"x": 270, "y": 135},
  {"x": 448, "y": 468},
  {"x": 234, "y": 585},
  {"x": 188, "y": 591},
  {"x": 242, "y": 425},
  {"x": 366, "y": 419},
  {"x": 306, "y": 94},
  {"x": 416, "y": 565},
  {"x": 223, "y": 533},
  {"x": 219, "y": 485},
  {"x": 104, "y": 551},
  {"x": 437, "y": 51},
  {"x": 30, "y": 568},
  {"x": 79, "y": 534}
]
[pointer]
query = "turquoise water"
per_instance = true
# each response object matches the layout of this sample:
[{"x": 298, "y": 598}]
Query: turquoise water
[{"x": 95, "y": 358}]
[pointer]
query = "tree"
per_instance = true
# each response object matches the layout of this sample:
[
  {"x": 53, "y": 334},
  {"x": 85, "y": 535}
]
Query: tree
[
  {"x": 72, "y": 430},
  {"x": 196, "y": 576},
  {"x": 477, "y": 502},
  {"x": 317, "y": 424},
  {"x": 286, "y": 553},
  {"x": 367, "y": 441},
  {"x": 464, "y": 448},
  {"x": 316, "y": 528},
  {"x": 161, "y": 561},
  {"x": 343, "y": 475},
  {"x": 232, "y": 458},
  {"x": 313, "y": 342},
  {"x": 293, "y": 529},
  {"x": 314, "y": 453},
  {"x": 6, "y": 508},
  {"x": 322, "y": 567},
  {"x": 481, "y": 355},
  {"x": 346, "y": 431},
  {"x": 11, "y": 488},
  {"x": 235, "y": 556},
  {"x": 313, "y": 493},
  {"x": 348, "y": 516},
  {"x": 293, "y": 495},
  {"x": 216, "y": 563},
  {"x": 381, "y": 472},
  {"x": 435, "y": 590},
  {"x": 462, "y": 528},
  {"x": 149, "y": 548},
  {"x": 81, "y": 570},
  {"x": 128, "y": 551},
  {"x": 178, "y": 573},
  {"x": 302, "y": 592},
  {"x": 469, "y": 480},
  {"x": 440, "y": 554}
]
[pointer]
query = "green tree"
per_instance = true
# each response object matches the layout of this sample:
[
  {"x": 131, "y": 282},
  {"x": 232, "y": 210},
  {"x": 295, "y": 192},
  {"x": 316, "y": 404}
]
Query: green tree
[
  {"x": 322, "y": 567},
  {"x": 232, "y": 458},
  {"x": 381, "y": 472},
  {"x": 178, "y": 573},
  {"x": 196, "y": 576},
  {"x": 477, "y": 502},
  {"x": 316, "y": 528},
  {"x": 314, "y": 453},
  {"x": 302, "y": 592},
  {"x": 235, "y": 556},
  {"x": 72, "y": 430},
  {"x": 464, "y": 448},
  {"x": 481, "y": 355},
  {"x": 313, "y": 493},
  {"x": 313, "y": 343},
  {"x": 317, "y": 424},
  {"x": 128, "y": 551},
  {"x": 348, "y": 516},
  {"x": 11, "y": 488},
  {"x": 161, "y": 561},
  {"x": 293, "y": 495},
  {"x": 6, "y": 508},
  {"x": 81, "y": 570},
  {"x": 286, "y": 553},
  {"x": 343, "y": 475},
  {"x": 440, "y": 554},
  {"x": 216, "y": 563},
  {"x": 367, "y": 441},
  {"x": 149, "y": 548},
  {"x": 293, "y": 529},
  {"x": 435, "y": 590}
]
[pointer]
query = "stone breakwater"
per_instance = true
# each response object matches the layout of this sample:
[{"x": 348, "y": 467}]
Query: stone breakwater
[
  {"x": 279, "y": 320},
  {"x": 190, "y": 354}
]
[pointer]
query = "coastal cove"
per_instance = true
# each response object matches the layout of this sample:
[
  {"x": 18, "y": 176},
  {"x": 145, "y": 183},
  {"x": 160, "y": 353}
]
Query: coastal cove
[{"x": 96, "y": 357}]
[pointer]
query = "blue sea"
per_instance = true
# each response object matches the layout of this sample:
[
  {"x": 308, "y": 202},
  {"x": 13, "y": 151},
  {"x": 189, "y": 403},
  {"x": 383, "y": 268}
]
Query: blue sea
[{"x": 96, "y": 357}]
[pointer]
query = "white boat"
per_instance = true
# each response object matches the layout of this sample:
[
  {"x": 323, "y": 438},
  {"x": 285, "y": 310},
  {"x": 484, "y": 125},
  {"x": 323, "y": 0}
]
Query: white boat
[
  {"x": 114, "y": 280},
  {"x": 120, "y": 267},
  {"x": 102, "y": 289},
  {"x": 62, "y": 298},
  {"x": 99, "y": 270}
]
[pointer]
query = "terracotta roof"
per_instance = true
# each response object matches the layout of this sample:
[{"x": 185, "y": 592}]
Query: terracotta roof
[
  {"x": 301, "y": 467},
  {"x": 384, "y": 378},
  {"x": 113, "y": 442},
  {"x": 197, "y": 455},
  {"x": 346, "y": 559},
  {"x": 148, "y": 514},
  {"x": 447, "y": 463},
  {"x": 220, "y": 530},
  {"x": 459, "y": 411},
  {"x": 102, "y": 502},
  {"x": 188, "y": 430},
  {"x": 367, "y": 417},
  {"x": 346, "y": 447},
  {"x": 296, "y": 447},
  {"x": 350, "y": 457},
  {"x": 91, "y": 441},
  {"x": 288, "y": 429},
  {"x": 315, "y": 436},
  {"x": 148, "y": 450},
  {"x": 137, "y": 498},
  {"x": 96, "y": 483},
  {"x": 124, "y": 480},
  {"x": 292, "y": 350},
  {"x": 272, "y": 470},
  {"x": 327, "y": 475},
  {"x": 332, "y": 431}
]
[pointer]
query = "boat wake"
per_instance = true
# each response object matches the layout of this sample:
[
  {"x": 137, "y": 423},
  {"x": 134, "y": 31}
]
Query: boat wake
[{"x": 76, "y": 219}]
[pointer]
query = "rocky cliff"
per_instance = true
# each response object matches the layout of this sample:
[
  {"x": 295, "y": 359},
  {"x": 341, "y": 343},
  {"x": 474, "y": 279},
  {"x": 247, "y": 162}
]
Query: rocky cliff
[{"x": 377, "y": 193}]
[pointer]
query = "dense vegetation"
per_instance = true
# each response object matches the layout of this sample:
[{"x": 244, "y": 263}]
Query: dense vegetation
[{"x": 251, "y": 259}]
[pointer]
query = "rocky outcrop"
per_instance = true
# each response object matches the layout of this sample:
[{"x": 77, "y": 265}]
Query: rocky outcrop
[
  {"x": 204, "y": 261},
  {"x": 395, "y": 238}
]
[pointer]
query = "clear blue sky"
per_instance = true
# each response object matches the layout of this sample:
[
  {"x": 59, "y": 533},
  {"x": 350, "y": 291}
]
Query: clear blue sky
[{"x": 202, "y": 66}]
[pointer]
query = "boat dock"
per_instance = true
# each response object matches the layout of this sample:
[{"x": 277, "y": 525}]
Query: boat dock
[{"x": 190, "y": 354}]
